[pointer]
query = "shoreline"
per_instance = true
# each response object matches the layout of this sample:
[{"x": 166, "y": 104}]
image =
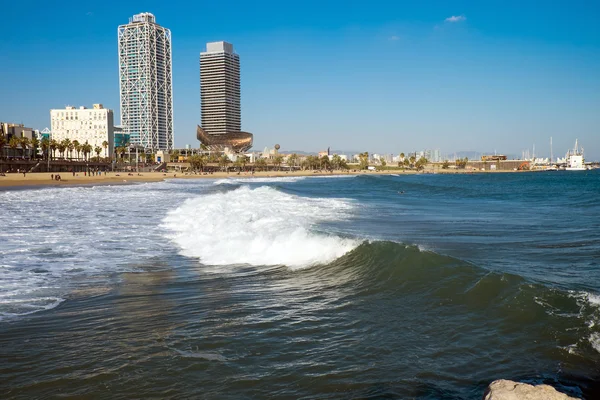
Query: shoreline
[{"x": 43, "y": 179}]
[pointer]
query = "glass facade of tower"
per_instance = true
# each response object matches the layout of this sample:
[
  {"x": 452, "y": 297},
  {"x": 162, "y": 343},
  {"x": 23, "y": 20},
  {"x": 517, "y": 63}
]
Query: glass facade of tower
[
  {"x": 145, "y": 80},
  {"x": 220, "y": 89}
]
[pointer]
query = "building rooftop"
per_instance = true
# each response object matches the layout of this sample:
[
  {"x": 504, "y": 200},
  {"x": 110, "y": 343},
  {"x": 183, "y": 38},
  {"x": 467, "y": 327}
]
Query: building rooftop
[
  {"x": 143, "y": 17},
  {"x": 219, "y": 47}
]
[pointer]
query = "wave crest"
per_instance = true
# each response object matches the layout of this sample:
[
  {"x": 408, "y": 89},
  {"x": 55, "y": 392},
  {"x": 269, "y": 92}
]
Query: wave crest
[{"x": 260, "y": 226}]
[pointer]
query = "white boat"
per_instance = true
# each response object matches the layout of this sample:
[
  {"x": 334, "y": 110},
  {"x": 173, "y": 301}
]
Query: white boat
[{"x": 574, "y": 159}]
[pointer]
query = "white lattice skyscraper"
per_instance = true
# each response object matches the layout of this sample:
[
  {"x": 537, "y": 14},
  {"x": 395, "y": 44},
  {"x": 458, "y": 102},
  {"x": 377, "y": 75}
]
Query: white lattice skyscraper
[{"x": 145, "y": 80}]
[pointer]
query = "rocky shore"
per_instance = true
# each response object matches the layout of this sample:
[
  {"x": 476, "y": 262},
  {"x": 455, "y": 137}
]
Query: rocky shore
[{"x": 509, "y": 390}]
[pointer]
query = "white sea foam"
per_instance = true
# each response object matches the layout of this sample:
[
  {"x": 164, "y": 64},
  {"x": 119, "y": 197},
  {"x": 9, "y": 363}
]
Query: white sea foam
[
  {"x": 595, "y": 341},
  {"x": 51, "y": 238},
  {"x": 249, "y": 179},
  {"x": 260, "y": 226},
  {"x": 593, "y": 299}
]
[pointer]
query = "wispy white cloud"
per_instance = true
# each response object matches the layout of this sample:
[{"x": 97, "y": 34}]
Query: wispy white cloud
[
  {"x": 456, "y": 18},
  {"x": 89, "y": 13},
  {"x": 394, "y": 38}
]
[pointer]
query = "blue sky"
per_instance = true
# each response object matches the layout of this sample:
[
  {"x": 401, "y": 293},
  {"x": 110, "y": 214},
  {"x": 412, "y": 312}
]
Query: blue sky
[{"x": 380, "y": 76}]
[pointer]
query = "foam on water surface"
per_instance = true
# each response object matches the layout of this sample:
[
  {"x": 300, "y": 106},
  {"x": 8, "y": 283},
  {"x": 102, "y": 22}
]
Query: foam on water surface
[{"x": 260, "y": 226}]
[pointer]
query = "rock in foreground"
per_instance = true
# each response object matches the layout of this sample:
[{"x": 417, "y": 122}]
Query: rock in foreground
[{"x": 509, "y": 390}]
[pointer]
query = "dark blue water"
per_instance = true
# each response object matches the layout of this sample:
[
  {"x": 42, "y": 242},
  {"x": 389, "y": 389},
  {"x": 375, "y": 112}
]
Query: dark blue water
[{"x": 420, "y": 286}]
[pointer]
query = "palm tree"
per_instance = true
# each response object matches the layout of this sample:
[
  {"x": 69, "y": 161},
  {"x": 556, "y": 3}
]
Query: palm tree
[
  {"x": 224, "y": 161},
  {"x": 260, "y": 163},
  {"x": 243, "y": 160},
  {"x": 364, "y": 160},
  {"x": 71, "y": 147},
  {"x": 77, "y": 147},
  {"x": 421, "y": 163},
  {"x": 122, "y": 150},
  {"x": 45, "y": 147},
  {"x": 197, "y": 162},
  {"x": 62, "y": 148},
  {"x": 324, "y": 162},
  {"x": 2, "y": 143},
  {"x": 35, "y": 144},
  {"x": 277, "y": 161},
  {"x": 401, "y": 156},
  {"x": 13, "y": 143},
  {"x": 292, "y": 160},
  {"x": 53, "y": 146},
  {"x": 24, "y": 142},
  {"x": 98, "y": 150},
  {"x": 412, "y": 160},
  {"x": 66, "y": 143},
  {"x": 87, "y": 150},
  {"x": 105, "y": 145},
  {"x": 336, "y": 161}
]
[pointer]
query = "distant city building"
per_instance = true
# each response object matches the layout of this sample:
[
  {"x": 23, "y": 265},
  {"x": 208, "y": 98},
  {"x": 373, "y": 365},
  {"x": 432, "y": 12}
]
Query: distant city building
[
  {"x": 19, "y": 130},
  {"x": 220, "y": 99},
  {"x": 10, "y": 130},
  {"x": 220, "y": 89},
  {"x": 93, "y": 126},
  {"x": 121, "y": 138},
  {"x": 145, "y": 81}
]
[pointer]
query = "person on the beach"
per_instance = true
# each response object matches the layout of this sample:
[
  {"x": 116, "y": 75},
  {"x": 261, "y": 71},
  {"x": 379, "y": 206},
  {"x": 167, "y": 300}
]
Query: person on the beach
[{"x": 51, "y": 176}]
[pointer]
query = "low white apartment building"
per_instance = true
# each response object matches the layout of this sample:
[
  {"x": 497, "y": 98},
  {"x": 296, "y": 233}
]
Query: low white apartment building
[{"x": 94, "y": 126}]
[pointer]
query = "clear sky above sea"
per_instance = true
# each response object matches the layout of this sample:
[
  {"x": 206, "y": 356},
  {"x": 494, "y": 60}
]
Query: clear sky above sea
[{"x": 381, "y": 76}]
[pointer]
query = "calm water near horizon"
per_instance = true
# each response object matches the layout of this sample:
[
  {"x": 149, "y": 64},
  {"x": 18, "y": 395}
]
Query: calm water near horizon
[{"x": 420, "y": 286}]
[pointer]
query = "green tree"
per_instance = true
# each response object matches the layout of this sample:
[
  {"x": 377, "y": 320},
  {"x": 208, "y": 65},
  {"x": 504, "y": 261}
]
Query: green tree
[
  {"x": 105, "y": 145},
  {"x": 277, "y": 161},
  {"x": 2, "y": 144},
  {"x": 35, "y": 144},
  {"x": 412, "y": 160},
  {"x": 261, "y": 164},
  {"x": 292, "y": 160},
  {"x": 77, "y": 147},
  {"x": 324, "y": 162},
  {"x": 421, "y": 163},
  {"x": 198, "y": 162},
  {"x": 45, "y": 144},
  {"x": 401, "y": 156},
  {"x": 13, "y": 143},
  {"x": 224, "y": 162},
  {"x": 446, "y": 164},
  {"x": 243, "y": 160},
  {"x": 53, "y": 147},
  {"x": 86, "y": 148},
  {"x": 66, "y": 143},
  {"x": 61, "y": 149},
  {"x": 363, "y": 160},
  {"x": 97, "y": 150},
  {"x": 462, "y": 162},
  {"x": 24, "y": 142},
  {"x": 336, "y": 161},
  {"x": 382, "y": 161}
]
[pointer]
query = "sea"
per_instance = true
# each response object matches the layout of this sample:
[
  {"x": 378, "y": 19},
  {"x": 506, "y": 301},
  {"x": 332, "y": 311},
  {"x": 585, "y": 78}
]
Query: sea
[{"x": 425, "y": 286}]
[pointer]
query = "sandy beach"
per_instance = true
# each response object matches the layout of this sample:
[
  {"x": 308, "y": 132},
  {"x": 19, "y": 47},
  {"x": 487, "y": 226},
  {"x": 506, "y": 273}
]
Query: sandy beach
[{"x": 116, "y": 178}]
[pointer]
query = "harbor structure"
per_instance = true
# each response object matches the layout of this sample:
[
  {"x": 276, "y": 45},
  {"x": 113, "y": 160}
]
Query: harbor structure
[
  {"x": 221, "y": 121},
  {"x": 146, "y": 82},
  {"x": 94, "y": 126}
]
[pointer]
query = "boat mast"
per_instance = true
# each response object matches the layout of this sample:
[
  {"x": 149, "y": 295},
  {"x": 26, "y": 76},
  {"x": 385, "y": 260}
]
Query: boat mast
[{"x": 551, "y": 155}]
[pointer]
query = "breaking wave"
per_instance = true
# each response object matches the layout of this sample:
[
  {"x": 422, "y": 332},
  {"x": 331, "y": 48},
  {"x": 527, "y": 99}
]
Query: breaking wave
[{"x": 260, "y": 226}]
